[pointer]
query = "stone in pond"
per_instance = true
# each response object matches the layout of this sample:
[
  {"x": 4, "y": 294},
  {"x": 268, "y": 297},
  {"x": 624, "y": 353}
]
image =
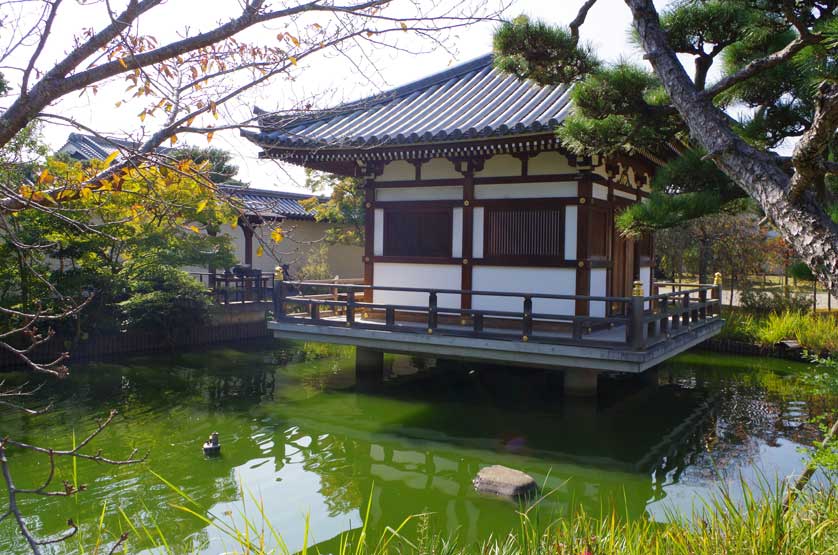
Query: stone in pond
[
  {"x": 504, "y": 481},
  {"x": 212, "y": 448}
]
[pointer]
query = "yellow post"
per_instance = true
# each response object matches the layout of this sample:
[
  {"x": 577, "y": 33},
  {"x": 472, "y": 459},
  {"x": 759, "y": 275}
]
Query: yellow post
[
  {"x": 717, "y": 278},
  {"x": 637, "y": 290}
]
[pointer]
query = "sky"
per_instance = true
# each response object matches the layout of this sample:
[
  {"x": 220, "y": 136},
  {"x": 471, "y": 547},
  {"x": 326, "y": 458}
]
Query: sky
[{"x": 328, "y": 79}]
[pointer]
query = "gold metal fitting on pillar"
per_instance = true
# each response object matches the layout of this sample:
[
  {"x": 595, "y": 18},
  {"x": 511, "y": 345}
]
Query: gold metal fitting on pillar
[
  {"x": 717, "y": 278},
  {"x": 637, "y": 290},
  {"x": 279, "y": 273}
]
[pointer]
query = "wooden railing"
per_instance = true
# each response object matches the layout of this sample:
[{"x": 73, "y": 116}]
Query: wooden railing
[
  {"x": 226, "y": 288},
  {"x": 637, "y": 322}
]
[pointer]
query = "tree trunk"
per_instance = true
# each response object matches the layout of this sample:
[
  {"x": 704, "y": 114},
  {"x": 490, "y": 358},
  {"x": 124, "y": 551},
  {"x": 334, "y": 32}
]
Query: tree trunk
[
  {"x": 804, "y": 223},
  {"x": 703, "y": 259}
]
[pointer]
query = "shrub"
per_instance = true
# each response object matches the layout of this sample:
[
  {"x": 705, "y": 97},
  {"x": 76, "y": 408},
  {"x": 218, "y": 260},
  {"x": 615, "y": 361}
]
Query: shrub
[
  {"x": 739, "y": 326},
  {"x": 766, "y": 302},
  {"x": 166, "y": 299}
]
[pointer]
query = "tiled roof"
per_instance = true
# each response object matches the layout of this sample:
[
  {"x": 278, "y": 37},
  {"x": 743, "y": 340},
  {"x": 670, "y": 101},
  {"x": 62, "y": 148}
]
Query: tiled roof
[
  {"x": 469, "y": 101},
  {"x": 269, "y": 204},
  {"x": 89, "y": 147}
]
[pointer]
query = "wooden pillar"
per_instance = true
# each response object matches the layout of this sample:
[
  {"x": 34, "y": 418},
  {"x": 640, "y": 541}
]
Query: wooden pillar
[
  {"x": 369, "y": 366},
  {"x": 580, "y": 382},
  {"x": 248, "y": 242},
  {"x": 468, "y": 232},
  {"x": 369, "y": 234},
  {"x": 583, "y": 267}
]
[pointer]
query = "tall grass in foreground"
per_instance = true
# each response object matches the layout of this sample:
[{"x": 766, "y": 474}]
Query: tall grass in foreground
[{"x": 753, "y": 524}]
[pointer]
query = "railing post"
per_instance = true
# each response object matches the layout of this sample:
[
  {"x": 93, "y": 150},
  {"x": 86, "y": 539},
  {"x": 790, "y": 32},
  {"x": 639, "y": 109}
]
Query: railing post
[
  {"x": 526, "y": 332},
  {"x": 717, "y": 293},
  {"x": 314, "y": 310},
  {"x": 279, "y": 293},
  {"x": 350, "y": 308},
  {"x": 685, "y": 306},
  {"x": 638, "y": 330},
  {"x": 390, "y": 317},
  {"x": 477, "y": 322},
  {"x": 432, "y": 315},
  {"x": 702, "y": 297},
  {"x": 226, "y": 288}
]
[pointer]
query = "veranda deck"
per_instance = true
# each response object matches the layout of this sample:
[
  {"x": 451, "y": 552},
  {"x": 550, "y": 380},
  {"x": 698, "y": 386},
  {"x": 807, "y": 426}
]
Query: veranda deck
[{"x": 638, "y": 332}]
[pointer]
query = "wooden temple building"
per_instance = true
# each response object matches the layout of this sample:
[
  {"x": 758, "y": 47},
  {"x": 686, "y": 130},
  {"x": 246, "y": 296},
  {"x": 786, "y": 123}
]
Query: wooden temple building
[{"x": 485, "y": 238}]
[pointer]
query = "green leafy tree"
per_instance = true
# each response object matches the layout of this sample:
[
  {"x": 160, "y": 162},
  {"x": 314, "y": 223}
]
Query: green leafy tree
[
  {"x": 777, "y": 61},
  {"x": 343, "y": 210},
  {"x": 220, "y": 170}
]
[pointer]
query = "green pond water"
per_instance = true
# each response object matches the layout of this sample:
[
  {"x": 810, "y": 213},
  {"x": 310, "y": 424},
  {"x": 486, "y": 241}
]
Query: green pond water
[{"x": 304, "y": 440}]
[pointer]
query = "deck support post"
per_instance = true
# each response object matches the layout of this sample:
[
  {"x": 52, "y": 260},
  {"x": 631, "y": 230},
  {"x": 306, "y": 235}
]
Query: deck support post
[
  {"x": 650, "y": 377},
  {"x": 580, "y": 382},
  {"x": 369, "y": 365}
]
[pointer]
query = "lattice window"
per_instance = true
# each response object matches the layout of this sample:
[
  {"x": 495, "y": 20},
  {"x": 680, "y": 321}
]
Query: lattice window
[
  {"x": 514, "y": 232},
  {"x": 417, "y": 233}
]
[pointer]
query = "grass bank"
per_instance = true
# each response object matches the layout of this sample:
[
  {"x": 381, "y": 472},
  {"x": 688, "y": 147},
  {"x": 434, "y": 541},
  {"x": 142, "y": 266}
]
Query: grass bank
[
  {"x": 817, "y": 333},
  {"x": 754, "y": 523}
]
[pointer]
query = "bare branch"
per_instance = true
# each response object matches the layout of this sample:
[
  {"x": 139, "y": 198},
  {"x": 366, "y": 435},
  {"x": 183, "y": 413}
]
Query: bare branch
[
  {"x": 759, "y": 65},
  {"x": 579, "y": 20},
  {"x": 44, "y": 36}
]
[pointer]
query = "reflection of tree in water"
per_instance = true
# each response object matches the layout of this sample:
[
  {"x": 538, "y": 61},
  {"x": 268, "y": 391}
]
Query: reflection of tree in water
[
  {"x": 331, "y": 457},
  {"x": 749, "y": 412}
]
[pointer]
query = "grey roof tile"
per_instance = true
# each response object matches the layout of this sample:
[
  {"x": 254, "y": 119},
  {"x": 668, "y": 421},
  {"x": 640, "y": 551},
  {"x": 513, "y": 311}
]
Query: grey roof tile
[
  {"x": 269, "y": 204},
  {"x": 471, "y": 100}
]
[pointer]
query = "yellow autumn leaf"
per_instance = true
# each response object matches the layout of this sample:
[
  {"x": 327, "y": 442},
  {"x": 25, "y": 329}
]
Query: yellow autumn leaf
[
  {"x": 45, "y": 177},
  {"x": 142, "y": 115},
  {"x": 293, "y": 60},
  {"x": 277, "y": 235},
  {"x": 195, "y": 228},
  {"x": 260, "y": 251},
  {"x": 25, "y": 191},
  {"x": 294, "y": 39},
  {"x": 210, "y": 136},
  {"x": 201, "y": 206},
  {"x": 85, "y": 192},
  {"x": 404, "y": 26},
  {"x": 173, "y": 139},
  {"x": 111, "y": 157},
  {"x": 234, "y": 223}
]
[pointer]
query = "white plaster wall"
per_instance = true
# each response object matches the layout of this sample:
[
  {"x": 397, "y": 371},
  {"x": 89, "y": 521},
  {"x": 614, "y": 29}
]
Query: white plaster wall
[
  {"x": 548, "y": 163},
  {"x": 570, "y": 228},
  {"x": 457, "y": 233},
  {"x": 378, "y": 232},
  {"x": 600, "y": 191},
  {"x": 598, "y": 289},
  {"x": 398, "y": 170},
  {"x": 646, "y": 278},
  {"x": 418, "y": 193},
  {"x": 500, "y": 165},
  {"x": 561, "y": 189},
  {"x": 477, "y": 232},
  {"x": 552, "y": 281},
  {"x": 440, "y": 276},
  {"x": 440, "y": 168},
  {"x": 302, "y": 239},
  {"x": 630, "y": 196}
]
